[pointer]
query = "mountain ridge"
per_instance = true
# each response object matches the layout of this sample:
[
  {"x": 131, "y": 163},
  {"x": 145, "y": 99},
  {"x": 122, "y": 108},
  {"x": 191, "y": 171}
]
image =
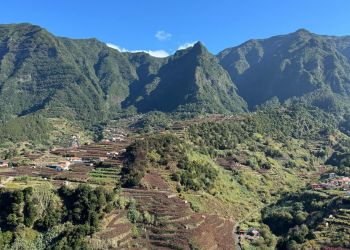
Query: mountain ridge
[
  {"x": 84, "y": 79},
  {"x": 286, "y": 66}
]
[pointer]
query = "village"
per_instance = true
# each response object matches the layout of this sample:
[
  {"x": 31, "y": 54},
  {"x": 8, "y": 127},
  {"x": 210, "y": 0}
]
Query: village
[
  {"x": 77, "y": 163},
  {"x": 332, "y": 181},
  {"x": 101, "y": 162}
]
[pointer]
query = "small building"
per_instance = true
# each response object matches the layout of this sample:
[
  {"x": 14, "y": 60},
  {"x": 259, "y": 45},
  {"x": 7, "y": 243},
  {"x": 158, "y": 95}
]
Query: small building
[
  {"x": 60, "y": 166},
  {"x": 93, "y": 160},
  {"x": 112, "y": 155},
  {"x": 75, "y": 160},
  {"x": 331, "y": 175},
  {"x": 102, "y": 159},
  {"x": 118, "y": 138},
  {"x": 4, "y": 164},
  {"x": 253, "y": 232},
  {"x": 88, "y": 159}
]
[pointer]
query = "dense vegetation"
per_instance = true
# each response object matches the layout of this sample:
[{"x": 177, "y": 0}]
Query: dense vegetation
[
  {"x": 295, "y": 121},
  {"x": 153, "y": 121},
  {"x": 56, "y": 220},
  {"x": 27, "y": 128},
  {"x": 168, "y": 152},
  {"x": 297, "y": 216},
  {"x": 158, "y": 150},
  {"x": 280, "y": 124}
]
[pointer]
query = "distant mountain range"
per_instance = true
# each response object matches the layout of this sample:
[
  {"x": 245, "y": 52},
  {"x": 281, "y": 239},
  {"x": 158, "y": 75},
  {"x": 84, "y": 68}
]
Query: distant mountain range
[{"x": 86, "y": 80}]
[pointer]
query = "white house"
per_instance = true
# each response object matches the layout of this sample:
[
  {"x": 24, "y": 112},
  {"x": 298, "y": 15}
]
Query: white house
[{"x": 60, "y": 166}]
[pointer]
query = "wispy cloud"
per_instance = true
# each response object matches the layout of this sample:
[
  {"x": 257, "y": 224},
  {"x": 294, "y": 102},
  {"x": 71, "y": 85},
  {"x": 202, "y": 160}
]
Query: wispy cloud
[
  {"x": 113, "y": 46},
  {"x": 155, "y": 53},
  {"x": 161, "y": 35},
  {"x": 186, "y": 45}
]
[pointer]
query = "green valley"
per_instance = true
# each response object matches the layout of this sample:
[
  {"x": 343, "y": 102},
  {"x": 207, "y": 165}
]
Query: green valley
[{"x": 104, "y": 148}]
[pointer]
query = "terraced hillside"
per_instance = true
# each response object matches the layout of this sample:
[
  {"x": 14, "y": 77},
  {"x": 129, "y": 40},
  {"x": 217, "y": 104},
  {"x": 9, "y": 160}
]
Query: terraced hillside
[
  {"x": 116, "y": 232},
  {"x": 176, "y": 226},
  {"x": 333, "y": 228},
  {"x": 311, "y": 219}
]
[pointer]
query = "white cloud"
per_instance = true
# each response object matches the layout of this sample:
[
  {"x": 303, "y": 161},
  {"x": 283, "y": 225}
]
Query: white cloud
[
  {"x": 186, "y": 45},
  {"x": 154, "y": 53},
  {"x": 161, "y": 35},
  {"x": 113, "y": 46}
]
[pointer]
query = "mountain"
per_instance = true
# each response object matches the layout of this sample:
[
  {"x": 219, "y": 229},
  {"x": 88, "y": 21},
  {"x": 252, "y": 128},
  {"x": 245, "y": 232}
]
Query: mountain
[
  {"x": 292, "y": 65},
  {"x": 342, "y": 44},
  {"x": 190, "y": 80},
  {"x": 84, "y": 79}
]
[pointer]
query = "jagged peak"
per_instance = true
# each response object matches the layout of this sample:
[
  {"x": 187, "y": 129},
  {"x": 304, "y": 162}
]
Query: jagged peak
[
  {"x": 198, "y": 44},
  {"x": 197, "y": 49}
]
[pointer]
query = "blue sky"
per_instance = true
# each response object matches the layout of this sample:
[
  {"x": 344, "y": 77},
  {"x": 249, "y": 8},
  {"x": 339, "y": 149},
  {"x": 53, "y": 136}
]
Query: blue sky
[{"x": 167, "y": 25}]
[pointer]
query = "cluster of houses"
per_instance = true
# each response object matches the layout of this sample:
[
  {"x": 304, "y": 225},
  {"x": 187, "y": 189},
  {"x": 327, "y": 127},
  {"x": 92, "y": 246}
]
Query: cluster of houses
[
  {"x": 333, "y": 181},
  {"x": 115, "y": 135},
  {"x": 64, "y": 165}
]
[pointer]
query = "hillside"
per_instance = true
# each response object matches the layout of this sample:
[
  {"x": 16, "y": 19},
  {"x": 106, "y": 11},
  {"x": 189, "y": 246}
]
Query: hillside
[
  {"x": 309, "y": 219},
  {"x": 102, "y": 149},
  {"x": 77, "y": 79},
  {"x": 87, "y": 81},
  {"x": 84, "y": 80},
  {"x": 292, "y": 65},
  {"x": 191, "y": 80},
  {"x": 185, "y": 185}
]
